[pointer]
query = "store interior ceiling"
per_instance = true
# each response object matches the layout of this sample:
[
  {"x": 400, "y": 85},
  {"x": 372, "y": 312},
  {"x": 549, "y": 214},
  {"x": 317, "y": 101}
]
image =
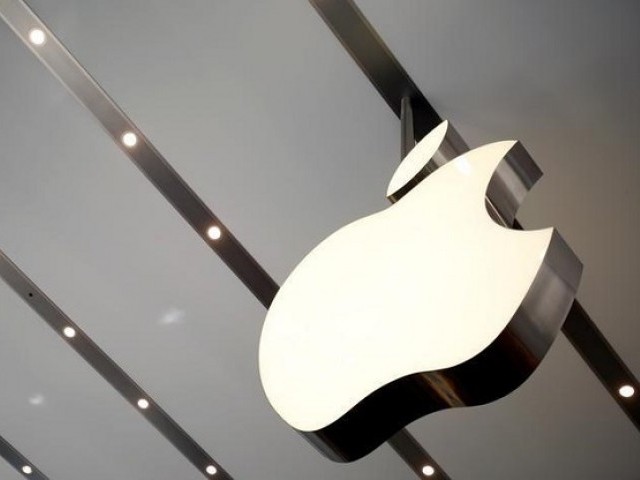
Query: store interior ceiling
[{"x": 260, "y": 109}]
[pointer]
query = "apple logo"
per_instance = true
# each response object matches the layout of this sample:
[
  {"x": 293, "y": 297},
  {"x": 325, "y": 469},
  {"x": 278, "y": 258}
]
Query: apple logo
[{"x": 426, "y": 305}]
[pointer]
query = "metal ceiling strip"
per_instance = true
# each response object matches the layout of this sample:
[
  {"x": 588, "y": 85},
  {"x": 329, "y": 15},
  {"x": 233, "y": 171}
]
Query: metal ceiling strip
[
  {"x": 144, "y": 155},
  {"x": 368, "y": 50},
  {"x": 377, "y": 62},
  {"x": 105, "y": 366},
  {"x": 603, "y": 360},
  {"x": 414, "y": 455},
  {"x": 19, "y": 461}
]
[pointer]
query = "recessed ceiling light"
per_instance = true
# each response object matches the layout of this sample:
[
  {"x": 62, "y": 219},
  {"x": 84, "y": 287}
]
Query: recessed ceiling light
[
  {"x": 27, "y": 469},
  {"x": 129, "y": 139},
  {"x": 69, "y": 332},
  {"x": 143, "y": 403},
  {"x": 214, "y": 233},
  {"x": 428, "y": 470},
  {"x": 626, "y": 391},
  {"x": 211, "y": 470},
  {"x": 37, "y": 36}
]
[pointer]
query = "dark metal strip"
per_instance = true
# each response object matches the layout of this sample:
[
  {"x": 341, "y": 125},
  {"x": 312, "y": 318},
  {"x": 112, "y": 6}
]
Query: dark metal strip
[
  {"x": 369, "y": 51},
  {"x": 144, "y": 155},
  {"x": 407, "y": 135},
  {"x": 408, "y": 448},
  {"x": 105, "y": 366},
  {"x": 20, "y": 462},
  {"x": 603, "y": 360},
  {"x": 377, "y": 62}
]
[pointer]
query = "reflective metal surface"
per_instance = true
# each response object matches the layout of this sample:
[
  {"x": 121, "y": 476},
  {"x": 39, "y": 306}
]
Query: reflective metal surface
[
  {"x": 407, "y": 135},
  {"x": 19, "y": 462},
  {"x": 376, "y": 61},
  {"x": 405, "y": 445}
]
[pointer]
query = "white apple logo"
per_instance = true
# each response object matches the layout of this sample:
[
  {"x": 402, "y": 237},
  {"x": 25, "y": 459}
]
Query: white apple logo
[{"x": 425, "y": 305}]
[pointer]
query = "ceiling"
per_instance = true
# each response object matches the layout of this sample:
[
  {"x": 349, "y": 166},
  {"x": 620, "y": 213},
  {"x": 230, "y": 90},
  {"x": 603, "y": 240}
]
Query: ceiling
[{"x": 262, "y": 112}]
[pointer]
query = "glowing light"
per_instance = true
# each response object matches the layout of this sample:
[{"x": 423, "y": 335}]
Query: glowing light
[
  {"x": 428, "y": 470},
  {"x": 626, "y": 391},
  {"x": 129, "y": 139},
  {"x": 69, "y": 332},
  {"x": 211, "y": 470},
  {"x": 27, "y": 469},
  {"x": 214, "y": 233},
  {"x": 172, "y": 316},
  {"x": 37, "y": 399},
  {"x": 37, "y": 37},
  {"x": 143, "y": 403}
]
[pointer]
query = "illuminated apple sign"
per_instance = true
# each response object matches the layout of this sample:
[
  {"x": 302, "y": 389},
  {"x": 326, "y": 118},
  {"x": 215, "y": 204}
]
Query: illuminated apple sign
[{"x": 426, "y": 305}]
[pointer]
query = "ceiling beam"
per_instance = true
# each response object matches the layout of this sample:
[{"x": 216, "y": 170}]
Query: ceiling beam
[
  {"x": 603, "y": 360},
  {"x": 19, "y": 462},
  {"x": 416, "y": 457},
  {"x": 376, "y": 61}
]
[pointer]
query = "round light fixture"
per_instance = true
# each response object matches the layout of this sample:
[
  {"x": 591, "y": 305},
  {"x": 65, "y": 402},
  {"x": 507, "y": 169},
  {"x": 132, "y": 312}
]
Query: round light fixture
[
  {"x": 27, "y": 469},
  {"x": 143, "y": 403},
  {"x": 214, "y": 232},
  {"x": 211, "y": 470},
  {"x": 626, "y": 391},
  {"x": 69, "y": 332},
  {"x": 428, "y": 470},
  {"x": 37, "y": 36},
  {"x": 129, "y": 139}
]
